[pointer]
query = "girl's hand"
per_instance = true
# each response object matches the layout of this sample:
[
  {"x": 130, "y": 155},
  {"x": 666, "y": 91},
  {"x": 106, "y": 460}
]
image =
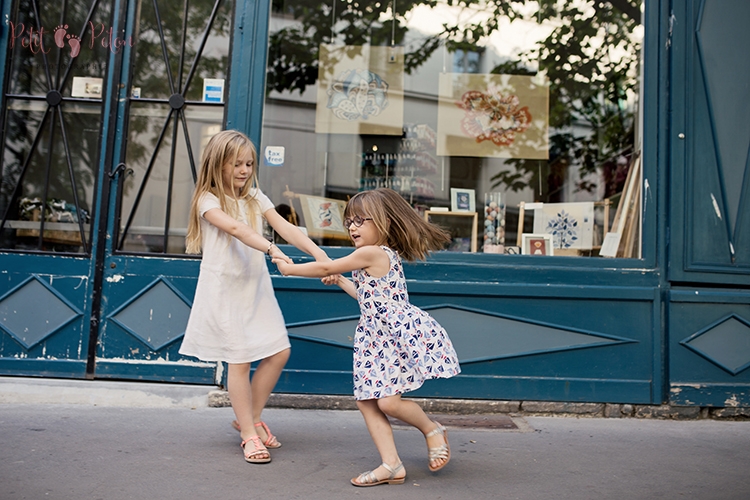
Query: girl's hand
[
  {"x": 277, "y": 254},
  {"x": 323, "y": 258},
  {"x": 284, "y": 266},
  {"x": 331, "y": 280}
]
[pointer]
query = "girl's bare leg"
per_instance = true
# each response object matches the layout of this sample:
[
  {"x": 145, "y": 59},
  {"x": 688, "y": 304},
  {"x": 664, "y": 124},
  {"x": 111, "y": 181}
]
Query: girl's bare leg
[
  {"x": 264, "y": 380},
  {"x": 241, "y": 397},
  {"x": 411, "y": 413},
  {"x": 266, "y": 375},
  {"x": 382, "y": 435}
]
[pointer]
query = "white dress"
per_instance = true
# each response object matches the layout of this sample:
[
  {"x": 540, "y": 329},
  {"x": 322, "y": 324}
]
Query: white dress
[{"x": 235, "y": 316}]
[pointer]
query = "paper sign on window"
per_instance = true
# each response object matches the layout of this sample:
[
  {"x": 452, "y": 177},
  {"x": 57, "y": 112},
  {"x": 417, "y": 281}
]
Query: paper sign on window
[
  {"x": 213, "y": 90},
  {"x": 87, "y": 87}
]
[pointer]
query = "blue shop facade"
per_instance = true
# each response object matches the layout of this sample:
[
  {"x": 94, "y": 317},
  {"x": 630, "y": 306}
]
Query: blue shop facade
[{"x": 590, "y": 159}]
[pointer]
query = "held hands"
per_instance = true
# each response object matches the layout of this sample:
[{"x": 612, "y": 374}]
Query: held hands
[
  {"x": 284, "y": 264},
  {"x": 333, "y": 279},
  {"x": 277, "y": 254}
]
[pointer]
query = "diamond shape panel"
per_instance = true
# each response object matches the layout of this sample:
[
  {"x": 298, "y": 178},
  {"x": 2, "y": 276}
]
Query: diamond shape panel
[
  {"x": 157, "y": 316},
  {"x": 726, "y": 344},
  {"x": 32, "y": 312},
  {"x": 492, "y": 337}
]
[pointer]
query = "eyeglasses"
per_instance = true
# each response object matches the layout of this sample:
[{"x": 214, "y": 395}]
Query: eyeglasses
[{"x": 356, "y": 220}]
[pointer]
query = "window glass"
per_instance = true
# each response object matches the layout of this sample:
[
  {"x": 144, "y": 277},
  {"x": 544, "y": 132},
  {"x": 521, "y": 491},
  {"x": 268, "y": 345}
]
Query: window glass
[
  {"x": 52, "y": 121},
  {"x": 178, "y": 90},
  {"x": 523, "y": 113}
]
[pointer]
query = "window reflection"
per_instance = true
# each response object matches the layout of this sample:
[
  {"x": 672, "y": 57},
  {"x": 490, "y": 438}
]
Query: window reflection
[
  {"x": 176, "y": 105},
  {"x": 557, "y": 166},
  {"x": 52, "y": 124}
]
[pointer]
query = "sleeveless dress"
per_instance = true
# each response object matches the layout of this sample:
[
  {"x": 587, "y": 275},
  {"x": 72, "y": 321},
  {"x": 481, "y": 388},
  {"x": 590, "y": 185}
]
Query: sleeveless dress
[
  {"x": 397, "y": 346},
  {"x": 235, "y": 316}
]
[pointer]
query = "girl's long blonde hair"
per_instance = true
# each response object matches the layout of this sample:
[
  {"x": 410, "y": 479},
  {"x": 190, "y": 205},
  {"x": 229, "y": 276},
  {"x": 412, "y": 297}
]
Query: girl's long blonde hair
[
  {"x": 224, "y": 147},
  {"x": 399, "y": 226}
]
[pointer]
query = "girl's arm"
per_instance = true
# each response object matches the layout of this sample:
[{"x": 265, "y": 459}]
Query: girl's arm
[
  {"x": 371, "y": 258},
  {"x": 343, "y": 283},
  {"x": 346, "y": 285},
  {"x": 293, "y": 235},
  {"x": 241, "y": 231}
]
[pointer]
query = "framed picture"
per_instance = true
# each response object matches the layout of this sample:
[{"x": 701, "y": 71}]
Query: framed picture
[
  {"x": 537, "y": 244},
  {"x": 324, "y": 217},
  {"x": 462, "y": 200},
  {"x": 462, "y": 227}
]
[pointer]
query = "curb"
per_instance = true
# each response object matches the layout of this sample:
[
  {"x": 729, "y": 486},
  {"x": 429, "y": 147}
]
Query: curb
[
  {"x": 26, "y": 390},
  {"x": 16, "y": 390},
  {"x": 220, "y": 398}
]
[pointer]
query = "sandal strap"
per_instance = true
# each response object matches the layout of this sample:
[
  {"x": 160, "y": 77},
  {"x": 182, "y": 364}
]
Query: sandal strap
[
  {"x": 369, "y": 477},
  {"x": 393, "y": 470},
  {"x": 437, "y": 430},
  {"x": 271, "y": 440},
  {"x": 439, "y": 452},
  {"x": 257, "y": 443}
]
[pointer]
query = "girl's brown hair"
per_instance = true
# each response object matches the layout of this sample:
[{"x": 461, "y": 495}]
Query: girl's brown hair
[
  {"x": 399, "y": 226},
  {"x": 224, "y": 147}
]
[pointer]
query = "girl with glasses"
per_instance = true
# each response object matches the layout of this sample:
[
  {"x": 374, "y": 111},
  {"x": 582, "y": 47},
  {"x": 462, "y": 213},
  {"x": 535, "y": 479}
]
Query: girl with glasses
[{"x": 397, "y": 346}]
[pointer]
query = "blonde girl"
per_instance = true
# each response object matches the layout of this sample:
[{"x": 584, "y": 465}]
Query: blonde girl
[
  {"x": 235, "y": 317},
  {"x": 397, "y": 346}
]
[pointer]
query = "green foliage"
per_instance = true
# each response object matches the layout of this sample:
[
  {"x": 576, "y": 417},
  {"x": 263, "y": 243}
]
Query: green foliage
[{"x": 591, "y": 61}]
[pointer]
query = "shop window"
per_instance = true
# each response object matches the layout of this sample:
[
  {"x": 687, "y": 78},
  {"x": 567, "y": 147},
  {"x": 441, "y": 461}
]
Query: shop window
[{"x": 528, "y": 108}]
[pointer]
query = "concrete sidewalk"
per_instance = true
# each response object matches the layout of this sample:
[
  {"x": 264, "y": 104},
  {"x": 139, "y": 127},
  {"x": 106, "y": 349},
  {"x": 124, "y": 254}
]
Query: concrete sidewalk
[{"x": 183, "y": 449}]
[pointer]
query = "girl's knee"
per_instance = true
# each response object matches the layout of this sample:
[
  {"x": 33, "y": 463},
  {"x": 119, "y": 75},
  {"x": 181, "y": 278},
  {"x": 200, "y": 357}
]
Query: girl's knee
[{"x": 389, "y": 405}]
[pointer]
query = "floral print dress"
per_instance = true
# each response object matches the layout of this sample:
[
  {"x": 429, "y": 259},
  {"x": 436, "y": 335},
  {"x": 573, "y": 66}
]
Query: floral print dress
[{"x": 397, "y": 346}]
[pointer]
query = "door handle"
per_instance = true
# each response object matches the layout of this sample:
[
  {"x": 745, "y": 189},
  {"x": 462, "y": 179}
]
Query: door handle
[{"x": 120, "y": 169}]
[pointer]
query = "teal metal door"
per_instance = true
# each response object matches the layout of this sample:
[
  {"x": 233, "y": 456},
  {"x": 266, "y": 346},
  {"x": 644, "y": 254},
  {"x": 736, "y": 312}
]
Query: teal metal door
[
  {"x": 171, "y": 102},
  {"x": 57, "y": 87},
  {"x": 108, "y": 104},
  {"x": 709, "y": 327}
]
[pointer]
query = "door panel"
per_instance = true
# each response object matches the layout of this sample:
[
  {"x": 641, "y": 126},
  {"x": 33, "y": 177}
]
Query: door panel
[
  {"x": 709, "y": 347},
  {"x": 55, "y": 80},
  {"x": 711, "y": 144},
  {"x": 43, "y": 320},
  {"x": 111, "y": 302},
  {"x": 169, "y": 115},
  {"x": 709, "y": 328}
]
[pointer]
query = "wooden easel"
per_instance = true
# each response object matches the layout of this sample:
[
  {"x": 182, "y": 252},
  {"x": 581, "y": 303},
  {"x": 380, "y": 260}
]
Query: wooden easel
[
  {"x": 627, "y": 221},
  {"x": 290, "y": 195}
]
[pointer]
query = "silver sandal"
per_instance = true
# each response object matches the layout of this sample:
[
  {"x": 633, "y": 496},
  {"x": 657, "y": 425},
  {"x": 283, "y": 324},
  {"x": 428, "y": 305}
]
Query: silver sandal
[
  {"x": 369, "y": 478},
  {"x": 442, "y": 452}
]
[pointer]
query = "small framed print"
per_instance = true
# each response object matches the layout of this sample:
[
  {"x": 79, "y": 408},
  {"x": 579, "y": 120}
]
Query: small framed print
[
  {"x": 462, "y": 200},
  {"x": 324, "y": 217},
  {"x": 536, "y": 244}
]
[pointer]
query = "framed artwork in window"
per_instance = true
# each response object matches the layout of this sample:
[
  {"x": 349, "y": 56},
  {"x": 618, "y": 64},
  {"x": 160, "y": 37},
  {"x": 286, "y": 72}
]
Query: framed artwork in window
[
  {"x": 537, "y": 244},
  {"x": 462, "y": 200},
  {"x": 462, "y": 227},
  {"x": 324, "y": 217}
]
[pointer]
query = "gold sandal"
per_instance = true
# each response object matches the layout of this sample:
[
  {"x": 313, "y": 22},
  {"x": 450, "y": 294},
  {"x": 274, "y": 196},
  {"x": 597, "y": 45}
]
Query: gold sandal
[
  {"x": 442, "y": 452},
  {"x": 370, "y": 479}
]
